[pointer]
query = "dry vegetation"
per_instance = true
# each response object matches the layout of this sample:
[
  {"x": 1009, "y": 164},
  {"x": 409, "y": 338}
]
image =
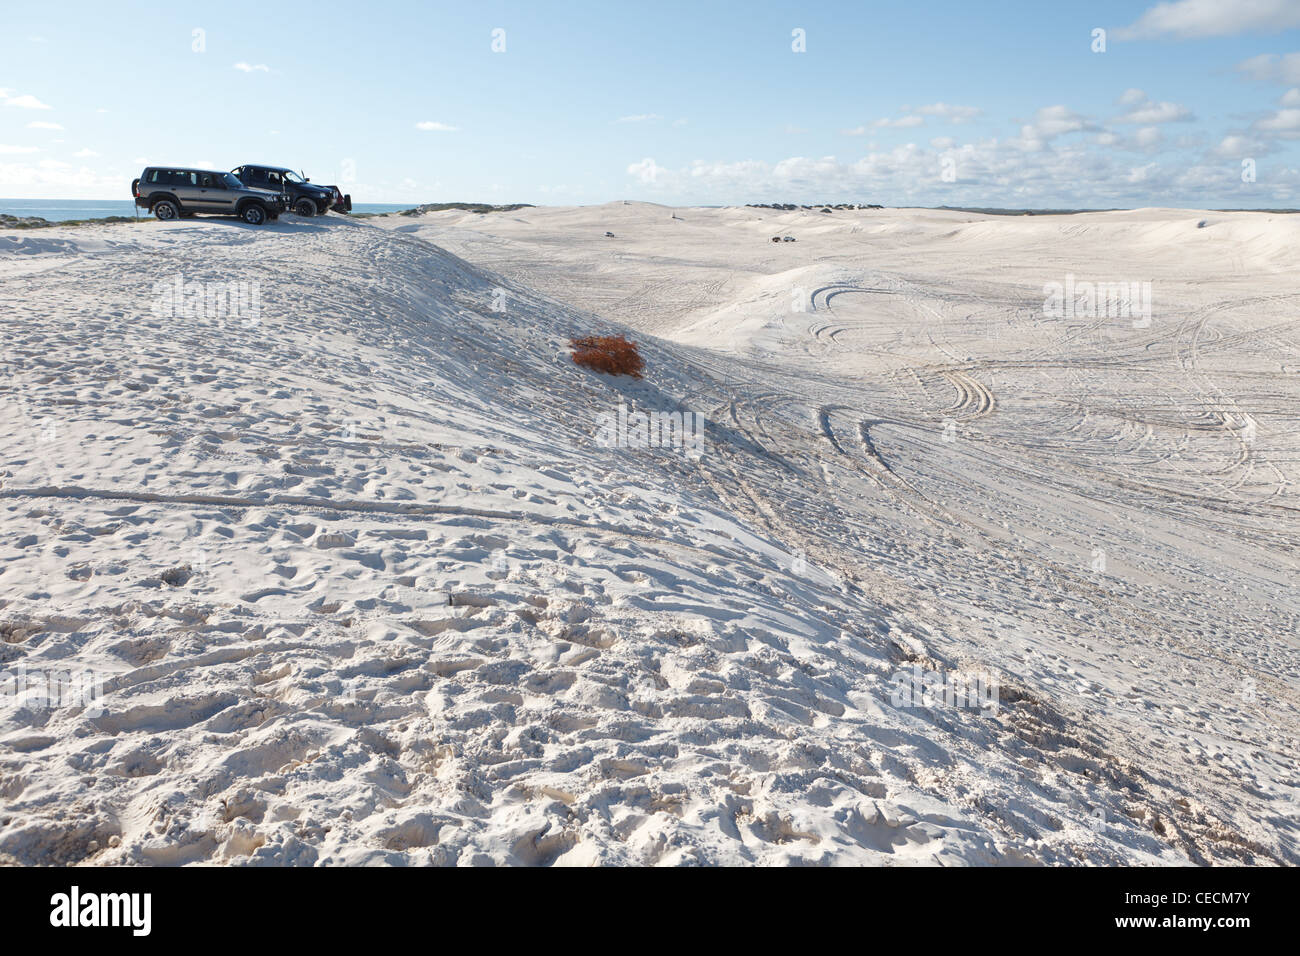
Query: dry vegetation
[{"x": 610, "y": 354}]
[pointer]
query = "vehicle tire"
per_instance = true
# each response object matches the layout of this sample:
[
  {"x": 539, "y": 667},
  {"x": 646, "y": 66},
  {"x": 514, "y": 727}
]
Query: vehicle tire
[
  {"x": 253, "y": 214},
  {"x": 305, "y": 208},
  {"x": 166, "y": 210}
]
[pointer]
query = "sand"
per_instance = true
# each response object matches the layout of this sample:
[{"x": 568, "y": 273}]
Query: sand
[{"x": 359, "y": 578}]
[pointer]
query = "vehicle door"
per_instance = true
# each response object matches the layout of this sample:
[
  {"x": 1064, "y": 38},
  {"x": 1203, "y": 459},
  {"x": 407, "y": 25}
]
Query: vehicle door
[
  {"x": 211, "y": 194},
  {"x": 185, "y": 184},
  {"x": 272, "y": 180}
]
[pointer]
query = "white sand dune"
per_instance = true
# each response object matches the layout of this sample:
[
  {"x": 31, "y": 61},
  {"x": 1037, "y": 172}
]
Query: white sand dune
[{"x": 364, "y": 587}]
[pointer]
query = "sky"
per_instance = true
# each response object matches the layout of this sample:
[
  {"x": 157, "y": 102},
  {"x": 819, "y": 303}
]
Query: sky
[{"x": 1015, "y": 103}]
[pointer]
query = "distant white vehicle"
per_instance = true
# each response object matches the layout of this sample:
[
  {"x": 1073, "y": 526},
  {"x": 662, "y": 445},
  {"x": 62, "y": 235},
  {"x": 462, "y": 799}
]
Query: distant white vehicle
[{"x": 787, "y": 238}]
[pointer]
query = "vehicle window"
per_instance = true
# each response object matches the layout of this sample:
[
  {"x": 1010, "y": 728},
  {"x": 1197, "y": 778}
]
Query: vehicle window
[
  {"x": 273, "y": 179},
  {"x": 232, "y": 181},
  {"x": 292, "y": 177},
  {"x": 206, "y": 181}
]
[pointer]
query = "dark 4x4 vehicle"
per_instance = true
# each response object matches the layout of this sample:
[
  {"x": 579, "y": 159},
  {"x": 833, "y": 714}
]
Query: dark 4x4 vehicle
[
  {"x": 173, "y": 191},
  {"x": 305, "y": 197}
]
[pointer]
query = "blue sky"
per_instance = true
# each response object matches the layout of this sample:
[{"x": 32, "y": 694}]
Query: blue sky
[{"x": 923, "y": 103}]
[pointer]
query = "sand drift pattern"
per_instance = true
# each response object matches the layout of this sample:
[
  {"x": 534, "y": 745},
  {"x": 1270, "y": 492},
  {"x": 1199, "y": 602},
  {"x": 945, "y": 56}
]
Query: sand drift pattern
[{"x": 364, "y": 587}]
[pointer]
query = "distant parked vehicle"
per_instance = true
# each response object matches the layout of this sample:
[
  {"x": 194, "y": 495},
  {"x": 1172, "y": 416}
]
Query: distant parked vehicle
[
  {"x": 305, "y": 197},
  {"x": 787, "y": 238},
  {"x": 170, "y": 192}
]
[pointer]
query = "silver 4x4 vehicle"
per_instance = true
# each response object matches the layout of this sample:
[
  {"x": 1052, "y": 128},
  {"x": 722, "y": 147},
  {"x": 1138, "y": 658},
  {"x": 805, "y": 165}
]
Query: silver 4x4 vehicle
[{"x": 173, "y": 191}]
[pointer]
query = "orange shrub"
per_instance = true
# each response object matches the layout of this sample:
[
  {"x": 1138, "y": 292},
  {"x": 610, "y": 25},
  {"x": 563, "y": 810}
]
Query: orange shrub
[{"x": 611, "y": 354}]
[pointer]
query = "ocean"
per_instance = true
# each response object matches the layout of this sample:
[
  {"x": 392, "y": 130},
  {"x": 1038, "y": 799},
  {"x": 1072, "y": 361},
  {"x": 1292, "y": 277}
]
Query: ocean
[{"x": 62, "y": 210}]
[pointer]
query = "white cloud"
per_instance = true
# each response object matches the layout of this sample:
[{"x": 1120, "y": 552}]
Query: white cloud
[
  {"x": 1145, "y": 111},
  {"x": 1049, "y": 123},
  {"x": 1186, "y": 19},
  {"x": 252, "y": 67},
  {"x": 1238, "y": 147},
  {"x": 1158, "y": 113},
  {"x": 53, "y": 178},
  {"x": 914, "y": 118},
  {"x": 950, "y": 112},
  {"x": 85, "y": 153},
  {"x": 41, "y": 124},
  {"x": 19, "y": 149},
  {"x": 992, "y": 172},
  {"x": 431, "y": 126},
  {"x": 1053, "y": 121},
  {"x": 1149, "y": 137},
  {"x": 25, "y": 102},
  {"x": 1284, "y": 122},
  {"x": 902, "y": 122},
  {"x": 1271, "y": 68},
  {"x": 639, "y": 118},
  {"x": 647, "y": 171},
  {"x": 1142, "y": 174}
]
